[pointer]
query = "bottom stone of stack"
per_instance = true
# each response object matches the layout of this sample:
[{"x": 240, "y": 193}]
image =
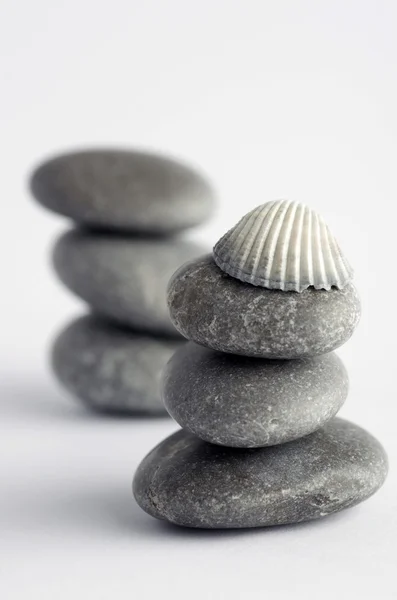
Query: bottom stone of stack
[
  {"x": 189, "y": 482},
  {"x": 112, "y": 369}
]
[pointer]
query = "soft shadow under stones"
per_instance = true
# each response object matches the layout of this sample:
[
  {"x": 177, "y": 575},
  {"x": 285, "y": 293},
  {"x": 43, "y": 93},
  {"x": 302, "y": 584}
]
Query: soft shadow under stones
[
  {"x": 49, "y": 402},
  {"x": 115, "y": 513},
  {"x": 165, "y": 529}
]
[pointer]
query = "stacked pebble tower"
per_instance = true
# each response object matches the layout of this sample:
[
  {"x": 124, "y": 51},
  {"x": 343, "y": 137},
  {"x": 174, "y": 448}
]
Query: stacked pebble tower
[
  {"x": 127, "y": 208},
  {"x": 257, "y": 389}
]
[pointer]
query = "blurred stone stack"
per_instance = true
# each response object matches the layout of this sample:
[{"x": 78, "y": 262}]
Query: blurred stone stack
[
  {"x": 127, "y": 208},
  {"x": 257, "y": 398}
]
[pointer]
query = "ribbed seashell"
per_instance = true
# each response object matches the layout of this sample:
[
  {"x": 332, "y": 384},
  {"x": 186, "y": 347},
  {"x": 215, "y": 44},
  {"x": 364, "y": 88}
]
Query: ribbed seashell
[{"x": 283, "y": 245}]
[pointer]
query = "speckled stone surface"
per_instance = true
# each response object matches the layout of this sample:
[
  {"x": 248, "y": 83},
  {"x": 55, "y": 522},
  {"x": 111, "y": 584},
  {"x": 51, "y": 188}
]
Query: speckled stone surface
[
  {"x": 189, "y": 482},
  {"x": 122, "y": 277},
  {"x": 124, "y": 190},
  {"x": 111, "y": 369},
  {"x": 220, "y": 312},
  {"x": 249, "y": 402}
]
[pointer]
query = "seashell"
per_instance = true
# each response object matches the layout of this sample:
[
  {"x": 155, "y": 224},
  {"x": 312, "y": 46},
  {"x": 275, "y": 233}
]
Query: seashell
[{"x": 283, "y": 245}]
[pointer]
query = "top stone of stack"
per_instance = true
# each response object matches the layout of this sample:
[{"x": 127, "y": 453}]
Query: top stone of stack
[
  {"x": 129, "y": 191},
  {"x": 277, "y": 287}
]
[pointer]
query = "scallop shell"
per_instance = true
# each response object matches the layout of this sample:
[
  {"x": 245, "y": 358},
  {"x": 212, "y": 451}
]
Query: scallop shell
[{"x": 283, "y": 245}]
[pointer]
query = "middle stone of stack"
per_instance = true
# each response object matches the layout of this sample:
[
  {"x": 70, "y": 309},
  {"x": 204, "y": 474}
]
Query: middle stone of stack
[{"x": 249, "y": 402}]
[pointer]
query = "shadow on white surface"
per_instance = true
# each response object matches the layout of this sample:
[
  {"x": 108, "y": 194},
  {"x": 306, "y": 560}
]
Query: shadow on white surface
[
  {"x": 111, "y": 514},
  {"x": 68, "y": 477},
  {"x": 35, "y": 400},
  {"x": 68, "y": 515},
  {"x": 79, "y": 479},
  {"x": 46, "y": 401},
  {"x": 169, "y": 530}
]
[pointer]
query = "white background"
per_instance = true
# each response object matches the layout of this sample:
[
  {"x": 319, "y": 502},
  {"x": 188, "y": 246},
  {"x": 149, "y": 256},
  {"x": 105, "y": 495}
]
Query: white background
[{"x": 273, "y": 99}]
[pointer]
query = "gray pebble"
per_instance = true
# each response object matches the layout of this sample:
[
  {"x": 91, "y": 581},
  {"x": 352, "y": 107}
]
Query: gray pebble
[
  {"x": 189, "y": 482},
  {"x": 250, "y": 402},
  {"x": 111, "y": 369},
  {"x": 126, "y": 190},
  {"x": 221, "y": 312},
  {"x": 122, "y": 277}
]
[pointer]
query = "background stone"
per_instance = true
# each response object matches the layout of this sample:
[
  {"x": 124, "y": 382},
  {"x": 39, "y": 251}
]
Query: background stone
[
  {"x": 123, "y": 190},
  {"x": 122, "y": 277},
  {"x": 111, "y": 369}
]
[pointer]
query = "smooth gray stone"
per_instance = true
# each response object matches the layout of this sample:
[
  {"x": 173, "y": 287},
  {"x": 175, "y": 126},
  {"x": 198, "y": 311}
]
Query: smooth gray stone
[
  {"x": 111, "y": 369},
  {"x": 251, "y": 402},
  {"x": 221, "y": 312},
  {"x": 122, "y": 277},
  {"x": 189, "y": 482},
  {"x": 126, "y": 190}
]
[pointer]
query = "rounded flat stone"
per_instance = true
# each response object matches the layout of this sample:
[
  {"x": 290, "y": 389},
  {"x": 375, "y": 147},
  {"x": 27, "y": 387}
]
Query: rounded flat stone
[
  {"x": 122, "y": 277},
  {"x": 126, "y": 190},
  {"x": 111, "y": 369},
  {"x": 189, "y": 482},
  {"x": 251, "y": 402},
  {"x": 221, "y": 312}
]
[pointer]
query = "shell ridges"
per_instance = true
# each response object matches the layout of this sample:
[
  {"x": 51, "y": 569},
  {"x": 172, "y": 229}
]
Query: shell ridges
[{"x": 283, "y": 245}]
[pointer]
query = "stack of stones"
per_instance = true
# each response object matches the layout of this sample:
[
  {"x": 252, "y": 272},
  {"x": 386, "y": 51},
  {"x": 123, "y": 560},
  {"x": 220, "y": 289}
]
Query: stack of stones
[
  {"x": 127, "y": 208},
  {"x": 257, "y": 389}
]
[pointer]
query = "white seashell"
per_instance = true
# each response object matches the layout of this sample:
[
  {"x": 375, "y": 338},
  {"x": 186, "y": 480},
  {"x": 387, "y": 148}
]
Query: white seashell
[{"x": 283, "y": 245}]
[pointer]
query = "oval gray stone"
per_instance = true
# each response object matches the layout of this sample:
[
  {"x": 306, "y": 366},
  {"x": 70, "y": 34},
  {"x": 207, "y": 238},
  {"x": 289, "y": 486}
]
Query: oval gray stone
[
  {"x": 221, "y": 312},
  {"x": 126, "y": 190},
  {"x": 111, "y": 369},
  {"x": 189, "y": 482},
  {"x": 251, "y": 402},
  {"x": 122, "y": 277}
]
